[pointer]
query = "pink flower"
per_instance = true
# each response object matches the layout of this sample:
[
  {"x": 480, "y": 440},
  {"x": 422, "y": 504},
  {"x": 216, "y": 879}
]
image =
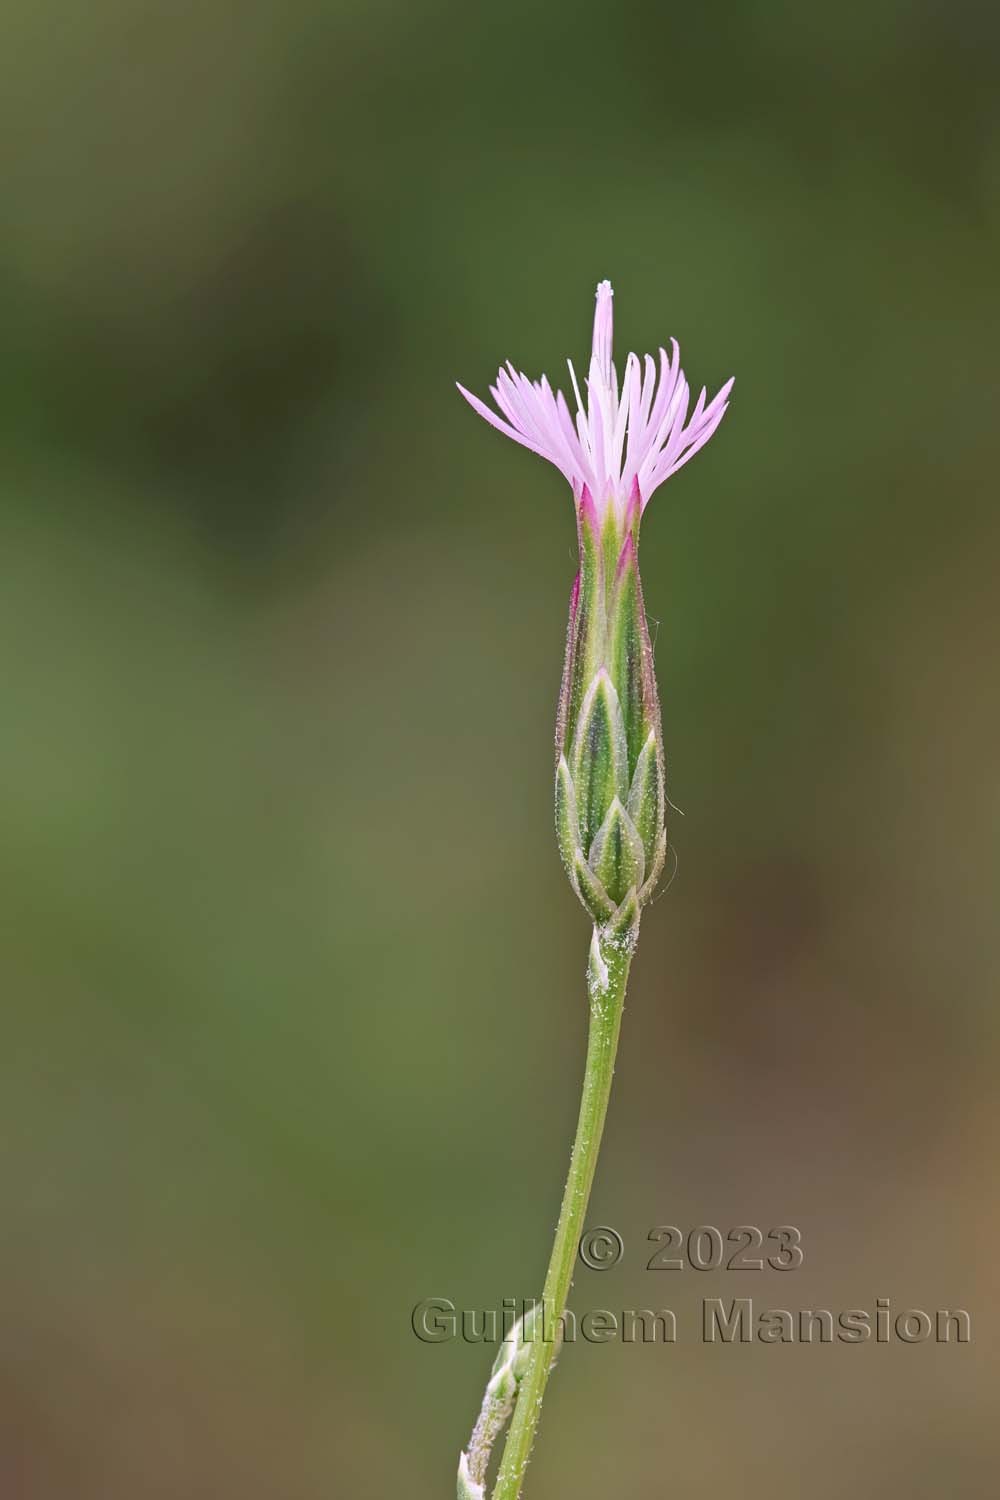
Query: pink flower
[{"x": 621, "y": 439}]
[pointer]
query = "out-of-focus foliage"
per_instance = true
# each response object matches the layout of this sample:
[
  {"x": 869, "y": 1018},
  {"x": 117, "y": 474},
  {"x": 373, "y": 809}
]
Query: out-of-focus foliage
[{"x": 293, "y": 986}]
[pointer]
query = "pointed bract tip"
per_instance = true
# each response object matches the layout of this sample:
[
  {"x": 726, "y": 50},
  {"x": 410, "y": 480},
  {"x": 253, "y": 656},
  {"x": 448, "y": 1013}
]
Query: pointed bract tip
[
  {"x": 627, "y": 558},
  {"x": 587, "y": 510},
  {"x": 633, "y": 506}
]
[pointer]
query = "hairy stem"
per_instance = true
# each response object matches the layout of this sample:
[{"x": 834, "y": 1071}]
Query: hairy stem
[{"x": 607, "y": 978}]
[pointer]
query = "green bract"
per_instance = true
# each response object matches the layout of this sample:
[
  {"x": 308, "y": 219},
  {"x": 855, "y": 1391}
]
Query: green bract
[
  {"x": 509, "y": 1369},
  {"x": 610, "y": 799}
]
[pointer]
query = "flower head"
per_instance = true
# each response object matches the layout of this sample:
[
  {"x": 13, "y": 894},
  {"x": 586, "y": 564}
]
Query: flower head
[
  {"x": 610, "y": 774},
  {"x": 623, "y": 439}
]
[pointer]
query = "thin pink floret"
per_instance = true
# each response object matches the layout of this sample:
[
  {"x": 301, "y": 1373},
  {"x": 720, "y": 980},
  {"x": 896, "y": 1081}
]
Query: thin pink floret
[{"x": 639, "y": 433}]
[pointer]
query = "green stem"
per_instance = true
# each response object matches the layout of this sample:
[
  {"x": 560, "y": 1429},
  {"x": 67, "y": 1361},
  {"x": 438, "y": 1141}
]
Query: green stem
[{"x": 606, "y": 1004}]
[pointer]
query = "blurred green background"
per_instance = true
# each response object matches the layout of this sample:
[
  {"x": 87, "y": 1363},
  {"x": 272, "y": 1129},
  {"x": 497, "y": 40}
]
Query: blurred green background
[{"x": 294, "y": 985}]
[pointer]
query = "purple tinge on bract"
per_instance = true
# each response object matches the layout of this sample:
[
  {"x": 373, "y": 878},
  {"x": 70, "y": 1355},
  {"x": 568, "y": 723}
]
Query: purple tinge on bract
[{"x": 635, "y": 435}]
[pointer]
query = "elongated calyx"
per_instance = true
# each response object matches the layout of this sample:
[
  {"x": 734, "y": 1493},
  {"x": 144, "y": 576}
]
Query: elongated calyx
[
  {"x": 623, "y": 442},
  {"x": 610, "y": 797}
]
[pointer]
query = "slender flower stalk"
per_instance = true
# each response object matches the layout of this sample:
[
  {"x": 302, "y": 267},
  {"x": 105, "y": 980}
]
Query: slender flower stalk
[{"x": 622, "y": 443}]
